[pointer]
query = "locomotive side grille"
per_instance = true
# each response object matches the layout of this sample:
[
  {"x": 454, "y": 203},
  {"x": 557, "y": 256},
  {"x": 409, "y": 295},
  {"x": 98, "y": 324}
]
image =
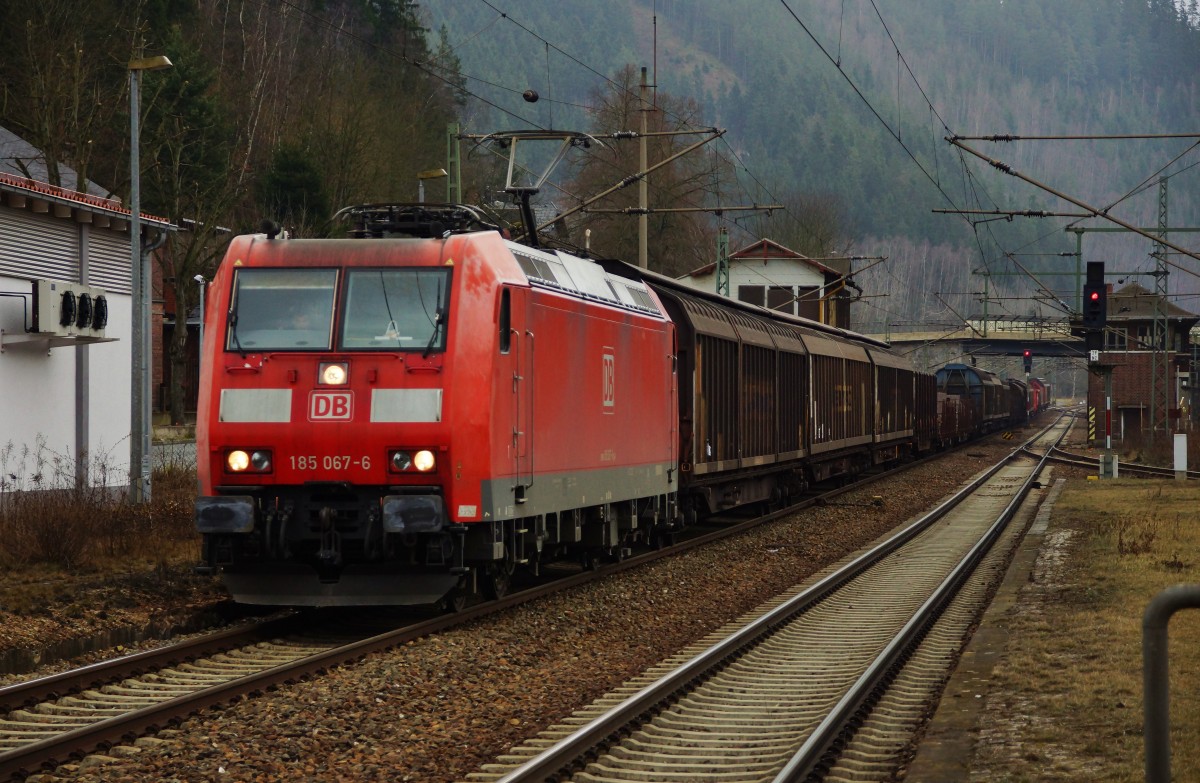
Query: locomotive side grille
[
  {"x": 640, "y": 297},
  {"x": 535, "y": 267}
]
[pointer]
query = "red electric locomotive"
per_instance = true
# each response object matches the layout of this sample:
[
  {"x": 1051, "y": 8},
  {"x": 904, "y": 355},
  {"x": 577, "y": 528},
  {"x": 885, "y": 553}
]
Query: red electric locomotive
[
  {"x": 1038, "y": 396},
  {"x": 392, "y": 420}
]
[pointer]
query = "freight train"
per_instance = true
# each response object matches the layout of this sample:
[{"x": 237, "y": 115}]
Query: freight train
[{"x": 410, "y": 414}]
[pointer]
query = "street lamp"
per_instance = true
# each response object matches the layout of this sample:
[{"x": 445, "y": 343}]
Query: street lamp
[
  {"x": 424, "y": 175},
  {"x": 141, "y": 374},
  {"x": 200, "y": 337}
]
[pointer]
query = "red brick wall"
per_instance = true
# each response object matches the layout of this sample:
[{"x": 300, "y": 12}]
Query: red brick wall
[{"x": 1131, "y": 379}]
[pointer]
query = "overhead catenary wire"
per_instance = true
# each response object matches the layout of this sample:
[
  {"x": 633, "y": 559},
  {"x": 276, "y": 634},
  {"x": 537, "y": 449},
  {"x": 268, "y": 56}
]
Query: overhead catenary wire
[
  {"x": 1001, "y": 166},
  {"x": 740, "y": 166},
  {"x": 508, "y": 17}
]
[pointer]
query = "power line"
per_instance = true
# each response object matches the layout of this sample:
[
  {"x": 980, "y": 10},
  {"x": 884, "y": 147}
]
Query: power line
[{"x": 629, "y": 93}]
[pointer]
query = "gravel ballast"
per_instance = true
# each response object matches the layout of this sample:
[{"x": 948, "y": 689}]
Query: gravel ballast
[{"x": 436, "y": 709}]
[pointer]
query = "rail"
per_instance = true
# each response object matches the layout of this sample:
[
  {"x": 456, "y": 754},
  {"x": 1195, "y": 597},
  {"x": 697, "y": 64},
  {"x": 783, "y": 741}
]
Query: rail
[{"x": 564, "y": 755}]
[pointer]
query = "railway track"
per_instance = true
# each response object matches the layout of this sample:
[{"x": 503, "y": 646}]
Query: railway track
[
  {"x": 1064, "y": 457},
  {"x": 60, "y": 718},
  {"x": 53, "y": 720},
  {"x": 826, "y": 683}
]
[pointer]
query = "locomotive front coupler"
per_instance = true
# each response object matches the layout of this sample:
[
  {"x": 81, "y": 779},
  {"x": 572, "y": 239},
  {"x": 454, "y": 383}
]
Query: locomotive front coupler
[{"x": 330, "y": 554}]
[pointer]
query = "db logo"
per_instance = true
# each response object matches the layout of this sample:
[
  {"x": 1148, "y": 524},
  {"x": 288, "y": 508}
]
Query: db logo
[
  {"x": 609, "y": 393},
  {"x": 330, "y": 406}
]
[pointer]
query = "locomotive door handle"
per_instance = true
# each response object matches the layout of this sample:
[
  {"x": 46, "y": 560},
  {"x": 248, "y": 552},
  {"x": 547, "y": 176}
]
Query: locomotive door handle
[
  {"x": 517, "y": 378},
  {"x": 521, "y": 412},
  {"x": 529, "y": 426}
]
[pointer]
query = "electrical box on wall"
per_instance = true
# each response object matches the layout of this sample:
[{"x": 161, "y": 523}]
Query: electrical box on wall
[{"x": 69, "y": 309}]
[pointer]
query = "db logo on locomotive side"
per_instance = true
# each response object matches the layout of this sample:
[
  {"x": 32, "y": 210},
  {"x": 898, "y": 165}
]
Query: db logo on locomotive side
[
  {"x": 330, "y": 406},
  {"x": 609, "y": 381}
]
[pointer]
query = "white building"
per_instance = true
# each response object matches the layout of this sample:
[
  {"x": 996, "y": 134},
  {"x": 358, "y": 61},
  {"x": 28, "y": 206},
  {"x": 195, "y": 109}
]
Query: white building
[
  {"x": 64, "y": 389},
  {"x": 770, "y": 275}
]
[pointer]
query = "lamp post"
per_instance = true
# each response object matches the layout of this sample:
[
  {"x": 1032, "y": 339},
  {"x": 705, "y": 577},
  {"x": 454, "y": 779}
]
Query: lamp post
[
  {"x": 200, "y": 337},
  {"x": 141, "y": 374},
  {"x": 424, "y": 175}
]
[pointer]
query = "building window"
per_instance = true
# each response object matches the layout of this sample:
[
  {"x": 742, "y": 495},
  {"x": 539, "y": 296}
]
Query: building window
[
  {"x": 809, "y": 303},
  {"x": 782, "y": 299},
  {"x": 752, "y": 294},
  {"x": 1116, "y": 339}
]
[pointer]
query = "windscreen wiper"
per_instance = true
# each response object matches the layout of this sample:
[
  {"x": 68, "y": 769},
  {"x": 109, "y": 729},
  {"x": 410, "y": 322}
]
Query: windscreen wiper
[
  {"x": 232, "y": 326},
  {"x": 438, "y": 318}
]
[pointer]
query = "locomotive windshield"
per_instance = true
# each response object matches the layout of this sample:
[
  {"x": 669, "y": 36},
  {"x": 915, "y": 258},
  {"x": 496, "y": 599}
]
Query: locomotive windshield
[
  {"x": 281, "y": 310},
  {"x": 390, "y": 309}
]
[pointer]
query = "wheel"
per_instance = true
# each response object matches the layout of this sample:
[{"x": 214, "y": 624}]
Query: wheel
[
  {"x": 456, "y": 601},
  {"x": 497, "y": 581},
  {"x": 458, "y": 598},
  {"x": 589, "y": 560}
]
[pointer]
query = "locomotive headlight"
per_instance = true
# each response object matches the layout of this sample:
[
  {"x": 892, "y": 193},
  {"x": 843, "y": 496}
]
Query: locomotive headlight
[
  {"x": 333, "y": 373},
  {"x": 423, "y": 461},
  {"x": 239, "y": 461}
]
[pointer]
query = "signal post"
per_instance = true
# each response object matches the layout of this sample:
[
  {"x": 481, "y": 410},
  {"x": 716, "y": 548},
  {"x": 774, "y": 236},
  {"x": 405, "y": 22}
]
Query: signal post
[{"x": 1095, "y": 317}]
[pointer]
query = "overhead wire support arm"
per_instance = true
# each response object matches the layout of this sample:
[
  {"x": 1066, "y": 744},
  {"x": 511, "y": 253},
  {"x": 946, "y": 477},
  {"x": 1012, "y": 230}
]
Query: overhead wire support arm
[
  {"x": 620, "y": 135},
  {"x": 1037, "y": 213},
  {"x": 1092, "y": 211},
  {"x": 840, "y": 282},
  {"x": 615, "y": 135},
  {"x": 659, "y": 210},
  {"x": 717, "y": 133},
  {"x": 1102, "y": 137}
]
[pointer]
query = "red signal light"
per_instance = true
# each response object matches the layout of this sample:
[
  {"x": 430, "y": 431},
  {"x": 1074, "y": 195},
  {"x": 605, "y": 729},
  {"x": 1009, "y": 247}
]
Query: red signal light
[
  {"x": 1095, "y": 297},
  {"x": 1028, "y": 353}
]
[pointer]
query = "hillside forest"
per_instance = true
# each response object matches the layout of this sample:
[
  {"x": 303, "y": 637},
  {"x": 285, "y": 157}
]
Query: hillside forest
[
  {"x": 835, "y": 112},
  {"x": 843, "y": 108}
]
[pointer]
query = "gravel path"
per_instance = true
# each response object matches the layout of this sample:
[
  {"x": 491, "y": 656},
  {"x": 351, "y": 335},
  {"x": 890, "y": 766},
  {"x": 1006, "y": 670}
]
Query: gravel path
[{"x": 437, "y": 708}]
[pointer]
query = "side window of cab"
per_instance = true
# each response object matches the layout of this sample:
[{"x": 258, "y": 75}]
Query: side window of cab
[{"x": 505, "y": 321}]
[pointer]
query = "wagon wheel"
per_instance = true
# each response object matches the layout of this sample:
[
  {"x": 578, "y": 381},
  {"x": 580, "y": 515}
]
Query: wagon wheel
[{"x": 497, "y": 581}]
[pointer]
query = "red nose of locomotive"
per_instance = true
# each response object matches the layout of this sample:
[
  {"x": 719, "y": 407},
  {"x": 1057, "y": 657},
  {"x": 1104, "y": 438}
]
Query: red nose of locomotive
[{"x": 324, "y": 443}]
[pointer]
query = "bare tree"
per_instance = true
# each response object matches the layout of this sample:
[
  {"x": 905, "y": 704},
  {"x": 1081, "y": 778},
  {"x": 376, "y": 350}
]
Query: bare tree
[
  {"x": 59, "y": 89},
  {"x": 815, "y": 224},
  {"x": 678, "y": 241},
  {"x": 191, "y": 144}
]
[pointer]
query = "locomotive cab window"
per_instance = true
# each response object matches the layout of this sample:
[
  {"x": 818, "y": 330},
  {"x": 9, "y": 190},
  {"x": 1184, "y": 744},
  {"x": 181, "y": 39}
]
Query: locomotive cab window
[
  {"x": 396, "y": 309},
  {"x": 505, "y": 321},
  {"x": 281, "y": 310}
]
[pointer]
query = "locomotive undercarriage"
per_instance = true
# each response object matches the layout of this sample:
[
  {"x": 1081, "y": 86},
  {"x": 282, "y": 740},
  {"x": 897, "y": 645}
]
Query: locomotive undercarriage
[
  {"x": 496, "y": 550},
  {"x": 336, "y": 545},
  {"x": 332, "y": 544}
]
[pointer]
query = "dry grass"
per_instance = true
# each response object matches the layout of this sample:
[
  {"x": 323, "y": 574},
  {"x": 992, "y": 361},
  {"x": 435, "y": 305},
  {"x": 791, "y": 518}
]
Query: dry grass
[
  {"x": 47, "y": 521},
  {"x": 1067, "y": 700}
]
